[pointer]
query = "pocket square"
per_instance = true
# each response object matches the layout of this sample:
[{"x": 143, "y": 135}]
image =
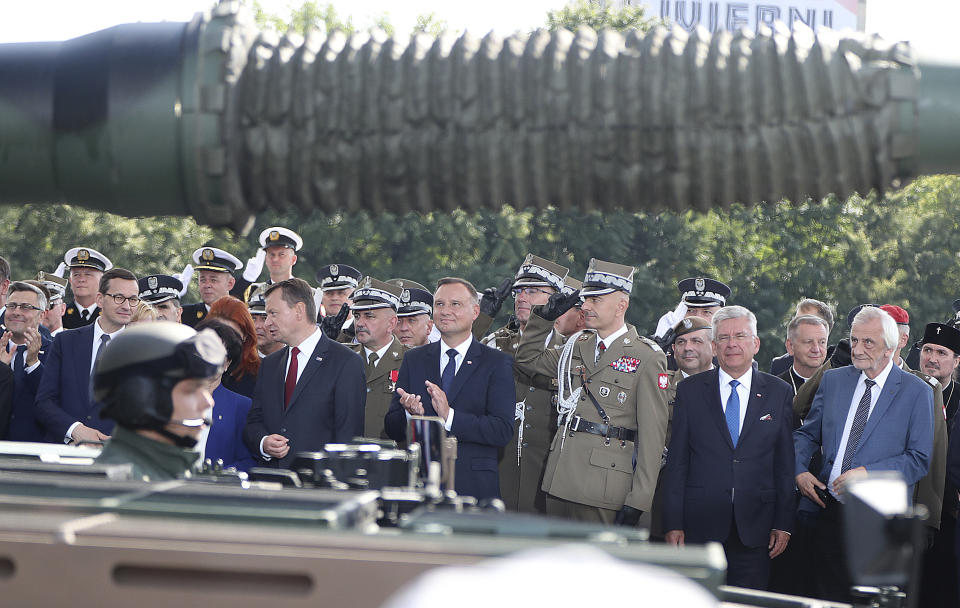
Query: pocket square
[{"x": 766, "y": 417}]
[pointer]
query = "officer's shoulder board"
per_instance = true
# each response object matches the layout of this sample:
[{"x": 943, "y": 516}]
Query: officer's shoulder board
[
  {"x": 933, "y": 381},
  {"x": 656, "y": 347}
]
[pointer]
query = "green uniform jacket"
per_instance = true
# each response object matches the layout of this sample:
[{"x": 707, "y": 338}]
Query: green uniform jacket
[
  {"x": 655, "y": 522},
  {"x": 587, "y": 469},
  {"x": 929, "y": 490},
  {"x": 380, "y": 386},
  {"x": 151, "y": 460},
  {"x": 521, "y": 471}
]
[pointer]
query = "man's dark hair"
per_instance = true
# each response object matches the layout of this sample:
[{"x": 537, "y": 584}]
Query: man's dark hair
[
  {"x": 115, "y": 273},
  {"x": 4, "y": 269},
  {"x": 295, "y": 290},
  {"x": 474, "y": 296}
]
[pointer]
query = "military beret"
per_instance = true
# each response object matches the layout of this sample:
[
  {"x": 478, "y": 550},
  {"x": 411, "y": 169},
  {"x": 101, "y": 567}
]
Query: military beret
[
  {"x": 688, "y": 325},
  {"x": 899, "y": 315}
]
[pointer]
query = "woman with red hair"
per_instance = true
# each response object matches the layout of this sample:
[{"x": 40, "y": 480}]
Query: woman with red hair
[{"x": 242, "y": 375}]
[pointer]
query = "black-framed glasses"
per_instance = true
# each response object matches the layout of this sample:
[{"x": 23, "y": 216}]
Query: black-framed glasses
[
  {"x": 119, "y": 298},
  {"x": 22, "y": 306},
  {"x": 530, "y": 291}
]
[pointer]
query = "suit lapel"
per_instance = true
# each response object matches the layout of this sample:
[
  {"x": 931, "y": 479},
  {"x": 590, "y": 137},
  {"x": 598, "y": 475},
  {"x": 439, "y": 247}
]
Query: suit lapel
[
  {"x": 313, "y": 364},
  {"x": 884, "y": 401},
  {"x": 843, "y": 400},
  {"x": 757, "y": 388},
  {"x": 470, "y": 363},
  {"x": 714, "y": 405}
]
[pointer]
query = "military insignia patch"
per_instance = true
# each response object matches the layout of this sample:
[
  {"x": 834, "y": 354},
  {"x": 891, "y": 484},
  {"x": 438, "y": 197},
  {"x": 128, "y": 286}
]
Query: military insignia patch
[
  {"x": 663, "y": 381},
  {"x": 199, "y": 314},
  {"x": 405, "y": 295},
  {"x": 626, "y": 364},
  {"x": 584, "y": 337},
  {"x": 604, "y": 391},
  {"x": 83, "y": 255},
  {"x": 274, "y": 235},
  {"x": 206, "y": 255},
  {"x": 621, "y": 397},
  {"x": 626, "y": 341},
  {"x": 699, "y": 284},
  {"x": 367, "y": 282},
  {"x": 334, "y": 270},
  {"x": 152, "y": 282}
]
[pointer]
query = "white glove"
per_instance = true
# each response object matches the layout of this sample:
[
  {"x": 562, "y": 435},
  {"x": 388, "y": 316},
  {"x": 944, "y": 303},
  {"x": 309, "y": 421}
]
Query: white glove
[
  {"x": 254, "y": 266},
  {"x": 670, "y": 319},
  {"x": 184, "y": 277},
  {"x": 61, "y": 270}
]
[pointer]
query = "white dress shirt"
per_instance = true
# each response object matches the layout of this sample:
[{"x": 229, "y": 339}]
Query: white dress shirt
[
  {"x": 608, "y": 341},
  {"x": 97, "y": 332},
  {"x": 380, "y": 354},
  {"x": 851, "y": 413},
  {"x": 743, "y": 391},
  {"x": 307, "y": 346},
  {"x": 90, "y": 309}
]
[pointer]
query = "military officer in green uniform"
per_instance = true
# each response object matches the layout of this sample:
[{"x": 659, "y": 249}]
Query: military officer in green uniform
[
  {"x": 86, "y": 267},
  {"x": 154, "y": 380},
  {"x": 524, "y": 459},
  {"x": 605, "y": 458},
  {"x": 374, "y": 308}
]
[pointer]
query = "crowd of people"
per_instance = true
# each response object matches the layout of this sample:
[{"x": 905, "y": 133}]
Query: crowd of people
[{"x": 567, "y": 410}]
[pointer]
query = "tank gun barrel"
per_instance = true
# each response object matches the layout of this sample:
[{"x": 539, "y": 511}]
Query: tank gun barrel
[{"x": 218, "y": 120}]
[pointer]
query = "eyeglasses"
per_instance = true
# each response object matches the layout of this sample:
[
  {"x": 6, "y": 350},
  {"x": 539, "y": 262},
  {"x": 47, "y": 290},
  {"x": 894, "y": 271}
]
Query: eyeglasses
[
  {"x": 529, "y": 291},
  {"x": 735, "y": 337},
  {"x": 119, "y": 298},
  {"x": 24, "y": 306}
]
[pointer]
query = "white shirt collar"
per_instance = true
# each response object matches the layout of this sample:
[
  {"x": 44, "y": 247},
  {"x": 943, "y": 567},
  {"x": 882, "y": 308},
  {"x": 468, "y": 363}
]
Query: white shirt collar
[
  {"x": 793, "y": 370},
  {"x": 745, "y": 380},
  {"x": 89, "y": 309},
  {"x": 309, "y": 344},
  {"x": 881, "y": 377},
  {"x": 98, "y": 331},
  {"x": 609, "y": 340},
  {"x": 461, "y": 348}
]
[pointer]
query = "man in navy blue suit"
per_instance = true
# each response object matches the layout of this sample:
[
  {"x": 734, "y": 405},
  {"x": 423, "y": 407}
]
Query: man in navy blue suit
[
  {"x": 25, "y": 350},
  {"x": 729, "y": 472},
  {"x": 868, "y": 417},
  {"x": 469, "y": 385},
  {"x": 64, "y": 406},
  {"x": 309, "y": 394}
]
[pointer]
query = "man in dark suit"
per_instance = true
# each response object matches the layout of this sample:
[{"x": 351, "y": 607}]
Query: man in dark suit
[
  {"x": 869, "y": 417},
  {"x": 86, "y": 270},
  {"x": 24, "y": 350},
  {"x": 309, "y": 394},
  {"x": 729, "y": 473},
  {"x": 468, "y": 385},
  {"x": 64, "y": 407}
]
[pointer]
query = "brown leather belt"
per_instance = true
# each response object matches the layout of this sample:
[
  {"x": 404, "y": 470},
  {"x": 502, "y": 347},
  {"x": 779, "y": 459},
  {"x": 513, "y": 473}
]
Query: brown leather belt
[{"x": 604, "y": 430}]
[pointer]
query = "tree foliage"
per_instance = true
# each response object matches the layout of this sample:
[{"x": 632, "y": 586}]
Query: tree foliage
[{"x": 599, "y": 16}]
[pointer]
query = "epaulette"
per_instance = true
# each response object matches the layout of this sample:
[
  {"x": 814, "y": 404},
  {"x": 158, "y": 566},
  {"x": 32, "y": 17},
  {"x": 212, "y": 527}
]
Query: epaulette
[{"x": 656, "y": 347}]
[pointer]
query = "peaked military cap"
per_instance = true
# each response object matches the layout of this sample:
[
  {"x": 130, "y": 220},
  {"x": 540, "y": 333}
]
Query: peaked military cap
[
  {"x": 702, "y": 292},
  {"x": 158, "y": 288},
  {"x": 606, "y": 277},
  {"x": 218, "y": 260},
  {"x": 415, "y": 299},
  {"x": 690, "y": 324},
  {"x": 338, "y": 276},
  {"x": 853, "y": 312},
  {"x": 84, "y": 257},
  {"x": 56, "y": 286},
  {"x": 538, "y": 272},
  {"x": 376, "y": 294},
  {"x": 944, "y": 335},
  {"x": 257, "y": 305},
  {"x": 570, "y": 285},
  {"x": 901, "y": 316},
  {"x": 278, "y": 236}
]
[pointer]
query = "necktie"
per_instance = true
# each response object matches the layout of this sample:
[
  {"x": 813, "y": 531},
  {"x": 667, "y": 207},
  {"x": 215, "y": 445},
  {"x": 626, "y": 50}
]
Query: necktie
[
  {"x": 372, "y": 360},
  {"x": 733, "y": 412},
  {"x": 84, "y": 314},
  {"x": 104, "y": 338},
  {"x": 291, "y": 382},
  {"x": 19, "y": 366},
  {"x": 600, "y": 348},
  {"x": 449, "y": 371},
  {"x": 856, "y": 430}
]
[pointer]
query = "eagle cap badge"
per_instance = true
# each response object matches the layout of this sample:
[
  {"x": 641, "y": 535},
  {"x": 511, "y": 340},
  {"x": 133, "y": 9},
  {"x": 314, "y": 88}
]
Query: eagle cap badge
[
  {"x": 700, "y": 284},
  {"x": 152, "y": 282}
]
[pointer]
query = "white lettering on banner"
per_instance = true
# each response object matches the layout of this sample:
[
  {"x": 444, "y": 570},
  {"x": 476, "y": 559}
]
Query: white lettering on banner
[{"x": 715, "y": 15}]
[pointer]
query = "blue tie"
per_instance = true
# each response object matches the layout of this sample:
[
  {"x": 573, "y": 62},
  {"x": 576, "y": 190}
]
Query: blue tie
[
  {"x": 19, "y": 367},
  {"x": 733, "y": 412},
  {"x": 449, "y": 371}
]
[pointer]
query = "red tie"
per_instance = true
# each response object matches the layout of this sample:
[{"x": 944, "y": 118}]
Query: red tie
[
  {"x": 600, "y": 348},
  {"x": 291, "y": 382}
]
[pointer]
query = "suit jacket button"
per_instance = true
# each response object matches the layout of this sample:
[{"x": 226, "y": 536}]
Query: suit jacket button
[
  {"x": 583, "y": 398},
  {"x": 283, "y": 430},
  {"x": 532, "y": 389},
  {"x": 89, "y": 417}
]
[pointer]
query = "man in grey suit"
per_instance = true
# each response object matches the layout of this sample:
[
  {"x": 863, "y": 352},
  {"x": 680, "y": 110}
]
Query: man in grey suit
[{"x": 868, "y": 417}]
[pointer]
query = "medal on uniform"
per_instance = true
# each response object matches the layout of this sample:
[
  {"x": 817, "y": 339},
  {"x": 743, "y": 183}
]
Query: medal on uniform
[
  {"x": 621, "y": 397},
  {"x": 604, "y": 391},
  {"x": 394, "y": 374}
]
